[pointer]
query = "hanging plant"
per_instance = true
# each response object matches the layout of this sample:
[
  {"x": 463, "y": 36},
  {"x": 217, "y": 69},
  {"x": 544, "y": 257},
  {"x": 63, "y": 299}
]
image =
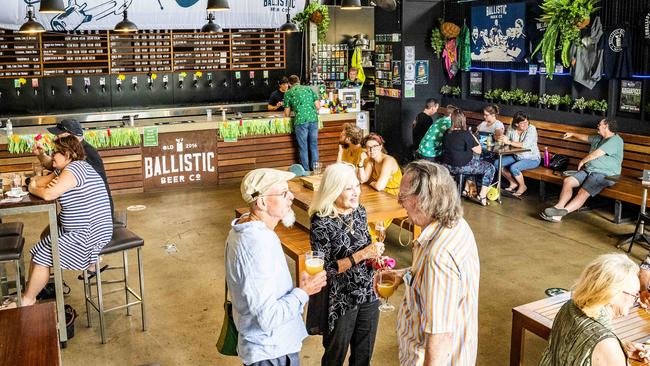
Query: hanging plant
[
  {"x": 564, "y": 20},
  {"x": 317, "y": 14},
  {"x": 437, "y": 42}
]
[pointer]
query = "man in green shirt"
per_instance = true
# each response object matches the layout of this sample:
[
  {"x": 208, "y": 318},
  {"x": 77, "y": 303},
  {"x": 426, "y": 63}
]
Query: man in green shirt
[
  {"x": 431, "y": 144},
  {"x": 604, "y": 159},
  {"x": 305, "y": 103}
]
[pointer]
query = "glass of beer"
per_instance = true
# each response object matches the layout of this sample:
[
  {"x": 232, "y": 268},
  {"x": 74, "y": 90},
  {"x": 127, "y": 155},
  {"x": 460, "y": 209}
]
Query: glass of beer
[
  {"x": 314, "y": 262},
  {"x": 385, "y": 288},
  {"x": 380, "y": 231}
]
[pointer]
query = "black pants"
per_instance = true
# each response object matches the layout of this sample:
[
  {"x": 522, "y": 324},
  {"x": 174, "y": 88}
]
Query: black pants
[
  {"x": 292, "y": 359},
  {"x": 356, "y": 329}
]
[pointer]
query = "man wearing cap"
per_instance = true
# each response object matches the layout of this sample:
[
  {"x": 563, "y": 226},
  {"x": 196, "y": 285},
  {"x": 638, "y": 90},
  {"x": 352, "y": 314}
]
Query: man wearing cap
[
  {"x": 73, "y": 127},
  {"x": 267, "y": 309}
]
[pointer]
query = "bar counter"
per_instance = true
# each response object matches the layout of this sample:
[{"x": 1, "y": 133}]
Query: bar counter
[{"x": 190, "y": 151}]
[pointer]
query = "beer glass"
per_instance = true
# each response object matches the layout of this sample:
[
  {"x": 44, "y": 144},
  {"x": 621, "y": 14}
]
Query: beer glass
[
  {"x": 385, "y": 288},
  {"x": 314, "y": 262}
]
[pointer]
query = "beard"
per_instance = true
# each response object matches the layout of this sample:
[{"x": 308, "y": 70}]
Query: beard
[{"x": 289, "y": 219}]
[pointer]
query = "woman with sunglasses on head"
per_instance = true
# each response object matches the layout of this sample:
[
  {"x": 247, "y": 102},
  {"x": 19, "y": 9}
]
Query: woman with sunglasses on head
[
  {"x": 582, "y": 330},
  {"x": 521, "y": 134},
  {"x": 377, "y": 168},
  {"x": 85, "y": 216}
]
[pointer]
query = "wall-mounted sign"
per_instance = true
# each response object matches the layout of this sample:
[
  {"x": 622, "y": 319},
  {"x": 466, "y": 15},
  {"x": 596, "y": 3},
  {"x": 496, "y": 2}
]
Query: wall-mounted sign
[
  {"x": 476, "y": 83},
  {"x": 497, "y": 33},
  {"x": 645, "y": 21},
  {"x": 150, "y": 136},
  {"x": 630, "y": 96},
  {"x": 422, "y": 72},
  {"x": 397, "y": 73},
  {"x": 181, "y": 159}
]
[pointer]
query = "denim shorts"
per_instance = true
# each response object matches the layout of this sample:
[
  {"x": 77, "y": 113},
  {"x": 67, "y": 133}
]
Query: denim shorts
[{"x": 593, "y": 183}]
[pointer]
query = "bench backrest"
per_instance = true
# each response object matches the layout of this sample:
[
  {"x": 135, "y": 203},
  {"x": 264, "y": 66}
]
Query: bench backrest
[{"x": 636, "y": 151}]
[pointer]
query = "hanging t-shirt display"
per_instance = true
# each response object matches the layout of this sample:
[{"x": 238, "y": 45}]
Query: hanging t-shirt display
[
  {"x": 618, "y": 53},
  {"x": 535, "y": 32}
]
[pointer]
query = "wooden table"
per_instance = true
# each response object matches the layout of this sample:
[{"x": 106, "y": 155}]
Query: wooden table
[
  {"x": 537, "y": 317},
  {"x": 29, "y": 336},
  {"x": 501, "y": 152},
  {"x": 30, "y": 204}
]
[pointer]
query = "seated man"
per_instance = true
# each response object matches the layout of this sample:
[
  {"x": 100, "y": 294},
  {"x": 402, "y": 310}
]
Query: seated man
[
  {"x": 604, "y": 159},
  {"x": 350, "y": 144}
]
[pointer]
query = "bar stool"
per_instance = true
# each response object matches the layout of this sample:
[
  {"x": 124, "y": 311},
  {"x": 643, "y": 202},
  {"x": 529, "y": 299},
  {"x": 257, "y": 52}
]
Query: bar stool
[
  {"x": 123, "y": 240},
  {"x": 9, "y": 229},
  {"x": 11, "y": 250},
  {"x": 644, "y": 218}
]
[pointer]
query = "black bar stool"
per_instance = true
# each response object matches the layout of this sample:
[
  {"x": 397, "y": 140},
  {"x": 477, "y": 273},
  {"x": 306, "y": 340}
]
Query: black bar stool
[
  {"x": 9, "y": 229},
  {"x": 11, "y": 250},
  {"x": 644, "y": 217},
  {"x": 123, "y": 240}
]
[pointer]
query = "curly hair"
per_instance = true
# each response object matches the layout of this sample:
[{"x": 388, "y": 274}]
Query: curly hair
[
  {"x": 71, "y": 147},
  {"x": 353, "y": 133}
]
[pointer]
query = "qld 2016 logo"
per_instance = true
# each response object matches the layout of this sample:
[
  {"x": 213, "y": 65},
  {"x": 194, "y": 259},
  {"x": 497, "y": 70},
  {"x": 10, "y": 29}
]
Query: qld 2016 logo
[{"x": 615, "y": 40}]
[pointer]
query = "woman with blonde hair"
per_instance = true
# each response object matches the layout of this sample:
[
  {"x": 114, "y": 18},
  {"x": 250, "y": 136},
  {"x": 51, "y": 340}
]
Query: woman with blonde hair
[
  {"x": 582, "y": 330},
  {"x": 339, "y": 229}
]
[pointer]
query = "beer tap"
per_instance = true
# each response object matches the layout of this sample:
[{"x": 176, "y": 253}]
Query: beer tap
[
  {"x": 195, "y": 84},
  {"x": 180, "y": 84},
  {"x": 210, "y": 84},
  {"x": 70, "y": 89},
  {"x": 102, "y": 83},
  {"x": 165, "y": 81},
  {"x": 134, "y": 82},
  {"x": 118, "y": 83},
  {"x": 225, "y": 83},
  {"x": 165, "y": 85},
  {"x": 68, "y": 83},
  {"x": 251, "y": 76},
  {"x": 35, "y": 86},
  {"x": 86, "y": 85},
  {"x": 52, "y": 90}
]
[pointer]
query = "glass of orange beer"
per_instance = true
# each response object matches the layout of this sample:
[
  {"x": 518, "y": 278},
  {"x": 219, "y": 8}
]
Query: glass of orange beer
[
  {"x": 314, "y": 262},
  {"x": 385, "y": 288}
]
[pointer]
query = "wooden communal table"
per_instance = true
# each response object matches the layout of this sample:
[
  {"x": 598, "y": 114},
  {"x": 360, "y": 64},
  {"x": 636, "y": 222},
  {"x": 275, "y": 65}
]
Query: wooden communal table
[
  {"x": 28, "y": 336},
  {"x": 501, "y": 152},
  {"x": 537, "y": 318},
  {"x": 29, "y": 204}
]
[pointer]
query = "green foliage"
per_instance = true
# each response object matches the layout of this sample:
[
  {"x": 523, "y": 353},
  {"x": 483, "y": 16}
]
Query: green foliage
[
  {"x": 243, "y": 128},
  {"x": 597, "y": 105},
  {"x": 507, "y": 96},
  {"x": 579, "y": 104},
  {"x": 543, "y": 100},
  {"x": 562, "y": 18},
  {"x": 566, "y": 100},
  {"x": 554, "y": 100},
  {"x": 534, "y": 99},
  {"x": 445, "y": 90},
  {"x": 304, "y": 17},
  {"x": 455, "y": 91},
  {"x": 437, "y": 41},
  {"x": 493, "y": 94}
]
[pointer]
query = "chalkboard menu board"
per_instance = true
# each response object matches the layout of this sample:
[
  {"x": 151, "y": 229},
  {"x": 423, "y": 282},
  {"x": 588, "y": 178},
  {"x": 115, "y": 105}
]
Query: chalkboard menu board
[
  {"x": 254, "y": 50},
  {"x": 141, "y": 52},
  {"x": 201, "y": 51},
  {"x": 80, "y": 53},
  {"x": 19, "y": 55}
]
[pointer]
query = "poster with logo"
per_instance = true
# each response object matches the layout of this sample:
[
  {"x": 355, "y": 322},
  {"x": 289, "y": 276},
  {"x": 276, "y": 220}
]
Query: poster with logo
[
  {"x": 422, "y": 72},
  {"x": 475, "y": 83},
  {"x": 181, "y": 159},
  {"x": 497, "y": 33},
  {"x": 397, "y": 73},
  {"x": 630, "y": 96}
]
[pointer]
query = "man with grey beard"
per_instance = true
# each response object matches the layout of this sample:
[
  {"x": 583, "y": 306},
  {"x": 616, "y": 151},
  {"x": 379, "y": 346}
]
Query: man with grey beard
[{"x": 267, "y": 309}]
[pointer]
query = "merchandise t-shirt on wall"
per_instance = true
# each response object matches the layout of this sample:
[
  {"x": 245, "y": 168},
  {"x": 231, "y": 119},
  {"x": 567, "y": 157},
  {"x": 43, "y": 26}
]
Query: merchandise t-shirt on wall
[
  {"x": 618, "y": 53},
  {"x": 535, "y": 32}
]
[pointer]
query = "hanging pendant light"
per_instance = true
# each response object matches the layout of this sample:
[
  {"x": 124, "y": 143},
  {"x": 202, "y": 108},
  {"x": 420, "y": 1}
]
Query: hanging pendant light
[
  {"x": 350, "y": 4},
  {"x": 211, "y": 27},
  {"x": 125, "y": 26},
  {"x": 288, "y": 27},
  {"x": 31, "y": 26},
  {"x": 218, "y": 5},
  {"x": 52, "y": 7}
]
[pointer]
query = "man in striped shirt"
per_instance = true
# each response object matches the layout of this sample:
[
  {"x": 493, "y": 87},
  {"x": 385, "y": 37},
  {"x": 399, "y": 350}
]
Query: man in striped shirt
[{"x": 437, "y": 323}]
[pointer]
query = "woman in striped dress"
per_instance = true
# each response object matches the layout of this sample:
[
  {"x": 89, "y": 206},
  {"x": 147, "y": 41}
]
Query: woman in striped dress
[{"x": 85, "y": 217}]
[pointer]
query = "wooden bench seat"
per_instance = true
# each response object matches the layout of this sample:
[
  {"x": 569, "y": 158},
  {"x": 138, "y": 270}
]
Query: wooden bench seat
[
  {"x": 295, "y": 242},
  {"x": 636, "y": 158}
]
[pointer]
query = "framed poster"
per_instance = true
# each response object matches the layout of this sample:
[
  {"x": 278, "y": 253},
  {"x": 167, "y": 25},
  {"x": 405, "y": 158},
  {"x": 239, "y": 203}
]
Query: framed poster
[
  {"x": 497, "y": 33},
  {"x": 422, "y": 72},
  {"x": 630, "y": 96},
  {"x": 475, "y": 83},
  {"x": 397, "y": 74}
]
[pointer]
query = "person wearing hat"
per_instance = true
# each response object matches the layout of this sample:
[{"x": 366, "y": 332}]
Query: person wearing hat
[
  {"x": 267, "y": 308},
  {"x": 72, "y": 127},
  {"x": 276, "y": 100}
]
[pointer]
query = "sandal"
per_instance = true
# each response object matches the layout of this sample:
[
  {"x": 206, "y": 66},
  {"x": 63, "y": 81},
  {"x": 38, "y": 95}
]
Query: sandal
[
  {"x": 483, "y": 201},
  {"x": 512, "y": 189}
]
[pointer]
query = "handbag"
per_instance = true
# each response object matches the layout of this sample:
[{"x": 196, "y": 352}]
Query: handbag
[
  {"x": 559, "y": 163},
  {"x": 317, "y": 312},
  {"x": 227, "y": 342}
]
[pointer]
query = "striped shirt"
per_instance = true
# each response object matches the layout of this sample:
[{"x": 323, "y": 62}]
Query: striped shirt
[{"x": 442, "y": 296}]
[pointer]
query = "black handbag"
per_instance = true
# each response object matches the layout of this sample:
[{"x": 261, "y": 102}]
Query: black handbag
[
  {"x": 559, "y": 163},
  {"x": 317, "y": 312},
  {"x": 228, "y": 337}
]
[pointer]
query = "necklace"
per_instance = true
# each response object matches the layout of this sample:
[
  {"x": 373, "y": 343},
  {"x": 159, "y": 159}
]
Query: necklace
[{"x": 348, "y": 225}]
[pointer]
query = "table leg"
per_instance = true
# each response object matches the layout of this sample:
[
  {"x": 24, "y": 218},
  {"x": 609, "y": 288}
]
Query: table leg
[
  {"x": 499, "y": 177},
  {"x": 58, "y": 279},
  {"x": 517, "y": 340}
]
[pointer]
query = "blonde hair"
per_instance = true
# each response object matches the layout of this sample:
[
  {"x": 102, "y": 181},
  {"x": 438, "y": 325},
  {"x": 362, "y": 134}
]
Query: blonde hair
[
  {"x": 334, "y": 180},
  {"x": 601, "y": 280}
]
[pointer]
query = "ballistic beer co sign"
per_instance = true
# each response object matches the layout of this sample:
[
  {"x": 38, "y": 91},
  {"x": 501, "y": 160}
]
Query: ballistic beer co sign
[{"x": 181, "y": 159}]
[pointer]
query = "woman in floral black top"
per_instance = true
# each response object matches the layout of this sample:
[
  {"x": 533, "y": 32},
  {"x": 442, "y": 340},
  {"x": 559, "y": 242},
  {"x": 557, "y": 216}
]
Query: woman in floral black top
[{"x": 339, "y": 229}]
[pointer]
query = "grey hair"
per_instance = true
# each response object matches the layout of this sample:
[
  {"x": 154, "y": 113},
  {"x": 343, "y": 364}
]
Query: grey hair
[{"x": 436, "y": 192}]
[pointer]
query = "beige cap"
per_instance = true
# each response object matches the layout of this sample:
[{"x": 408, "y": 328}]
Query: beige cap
[{"x": 258, "y": 181}]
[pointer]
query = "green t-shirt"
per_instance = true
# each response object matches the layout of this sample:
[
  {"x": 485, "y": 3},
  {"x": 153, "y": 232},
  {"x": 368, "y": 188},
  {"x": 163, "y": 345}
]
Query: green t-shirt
[
  {"x": 431, "y": 144},
  {"x": 301, "y": 99},
  {"x": 610, "y": 163}
]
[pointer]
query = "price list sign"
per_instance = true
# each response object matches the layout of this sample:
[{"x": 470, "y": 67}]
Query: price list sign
[
  {"x": 201, "y": 51},
  {"x": 254, "y": 50},
  {"x": 141, "y": 52},
  {"x": 79, "y": 53},
  {"x": 20, "y": 55}
]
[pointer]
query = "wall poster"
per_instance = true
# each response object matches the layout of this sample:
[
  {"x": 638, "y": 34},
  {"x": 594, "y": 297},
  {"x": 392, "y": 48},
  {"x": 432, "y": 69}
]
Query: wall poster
[
  {"x": 475, "y": 83},
  {"x": 497, "y": 33},
  {"x": 422, "y": 72},
  {"x": 397, "y": 73},
  {"x": 630, "y": 96}
]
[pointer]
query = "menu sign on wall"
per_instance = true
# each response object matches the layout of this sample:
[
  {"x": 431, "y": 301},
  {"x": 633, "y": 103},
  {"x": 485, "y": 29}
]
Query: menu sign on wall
[
  {"x": 630, "y": 96},
  {"x": 181, "y": 159}
]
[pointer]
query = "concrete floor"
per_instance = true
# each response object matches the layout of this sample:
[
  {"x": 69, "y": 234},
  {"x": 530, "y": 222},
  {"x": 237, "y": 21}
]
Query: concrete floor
[{"x": 520, "y": 256}]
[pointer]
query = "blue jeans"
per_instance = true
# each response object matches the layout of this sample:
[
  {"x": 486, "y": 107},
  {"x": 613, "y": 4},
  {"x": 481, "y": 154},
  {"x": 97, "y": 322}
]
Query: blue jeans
[
  {"x": 292, "y": 359},
  {"x": 517, "y": 166},
  {"x": 307, "y": 138}
]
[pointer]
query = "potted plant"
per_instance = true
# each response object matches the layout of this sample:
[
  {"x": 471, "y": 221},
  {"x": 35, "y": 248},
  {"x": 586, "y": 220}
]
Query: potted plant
[
  {"x": 445, "y": 90},
  {"x": 455, "y": 91},
  {"x": 506, "y": 97},
  {"x": 598, "y": 106},
  {"x": 566, "y": 101},
  {"x": 543, "y": 101},
  {"x": 554, "y": 101},
  {"x": 516, "y": 95},
  {"x": 317, "y": 14},
  {"x": 488, "y": 95},
  {"x": 579, "y": 104},
  {"x": 564, "y": 20}
]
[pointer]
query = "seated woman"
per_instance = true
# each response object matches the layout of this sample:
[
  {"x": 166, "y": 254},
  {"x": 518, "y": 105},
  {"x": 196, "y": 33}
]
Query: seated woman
[
  {"x": 85, "y": 216},
  {"x": 458, "y": 149},
  {"x": 582, "y": 330},
  {"x": 350, "y": 144},
  {"x": 377, "y": 168},
  {"x": 521, "y": 134},
  {"x": 339, "y": 229},
  {"x": 491, "y": 124}
]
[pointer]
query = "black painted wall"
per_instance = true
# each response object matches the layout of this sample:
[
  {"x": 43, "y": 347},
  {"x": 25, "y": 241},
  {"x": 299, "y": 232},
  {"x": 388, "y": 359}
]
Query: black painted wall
[{"x": 53, "y": 96}]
